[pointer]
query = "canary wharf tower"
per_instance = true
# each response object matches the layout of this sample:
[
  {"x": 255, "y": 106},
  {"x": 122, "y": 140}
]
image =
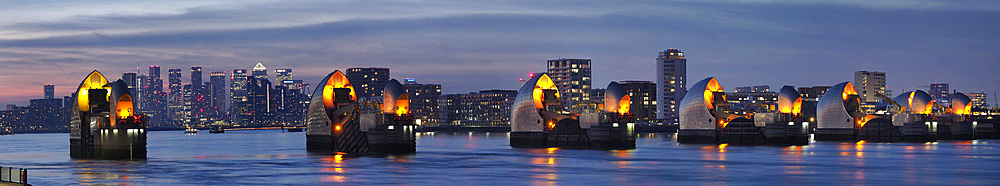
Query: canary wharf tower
[{"x": 671, "y": 73}]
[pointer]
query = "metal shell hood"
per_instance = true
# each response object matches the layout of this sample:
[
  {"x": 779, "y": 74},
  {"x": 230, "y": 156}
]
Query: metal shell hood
[
  {"x": 961, "y": 104},
  {"x": 916, "y": 102},
  {"x": 832, "y": 111},
  {"x": 789, "y": 100},
  {"x": 695, "y": 107},
  {"x": 394, "y": 97},
  {"x": 524, "y": 112},
  {"x": 122, "y": 104},
  {"x": 614, "y": 96}
]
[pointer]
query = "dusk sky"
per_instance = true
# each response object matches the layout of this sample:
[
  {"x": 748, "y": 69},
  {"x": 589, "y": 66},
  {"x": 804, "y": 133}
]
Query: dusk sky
[{"x": 474, "y": 45}]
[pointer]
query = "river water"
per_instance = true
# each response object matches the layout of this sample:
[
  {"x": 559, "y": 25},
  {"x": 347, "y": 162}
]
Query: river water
[{"x": 273, "y": 157}]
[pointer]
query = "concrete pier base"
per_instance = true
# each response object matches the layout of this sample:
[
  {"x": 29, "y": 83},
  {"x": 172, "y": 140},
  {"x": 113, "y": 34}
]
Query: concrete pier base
[
  {"x": 918, "y": 132},
  {"x": 741, "y": 132},
  {"x": 986, "y": 130},
  {"x": 960, "y": 130},
  {"x": 612, "y": 136},
  {"x": 527, "y": 139},
  {"x": 319, "y": 143},
  {"x": 781, "y": 133},
  {"x": 835, "y": 134},
  {"x": 879, "y": 130},
  {"x": 699, "y": 136}
]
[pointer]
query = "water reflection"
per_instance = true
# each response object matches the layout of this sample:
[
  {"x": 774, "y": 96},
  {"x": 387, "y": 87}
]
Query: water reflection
[
  {"x": 334, "y": 164},
  {"x": 99, "y": 172}
]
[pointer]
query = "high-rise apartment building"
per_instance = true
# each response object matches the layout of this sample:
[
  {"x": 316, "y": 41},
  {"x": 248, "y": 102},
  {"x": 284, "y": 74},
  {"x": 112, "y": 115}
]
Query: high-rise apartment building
[
  {"x": 572, "y": 78},
  {"x": 487, "y": 108},
  {"x": 868, "y": 84},
  {"x": 978, "y": 99},
  {"x": 812, "y": 93},
  {"x": 671, "y": 84},
  {"x": 368, "y": 82}
]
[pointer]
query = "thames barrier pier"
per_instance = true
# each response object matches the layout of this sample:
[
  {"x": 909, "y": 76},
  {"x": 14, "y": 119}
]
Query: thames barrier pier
[
  {"x": 333, "y": 124},
  {"x": 394, "y": 129},
  {"x": 703, "y": 118},
  {"x": 538, "y": 119},
  {"x": 838, "y": 114},
  {"x": 616, "y": 129},
  {"x": 336, "y": 125},
  {"x": 104, "y": 124},
  {"x": 787, "y": 126}
]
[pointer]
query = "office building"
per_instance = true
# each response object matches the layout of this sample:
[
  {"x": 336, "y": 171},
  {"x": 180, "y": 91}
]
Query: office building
[
  {"x": 217, "y": 89},
  {"x": 282, "y": 75},
  {"x": 238, "y": 95},
  {"x": 176, "y": 96},
  {"x": 259, "y": 72}
]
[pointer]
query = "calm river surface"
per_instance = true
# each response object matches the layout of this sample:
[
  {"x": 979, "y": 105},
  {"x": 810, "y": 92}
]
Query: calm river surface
[{"x": 273, "y": 157}]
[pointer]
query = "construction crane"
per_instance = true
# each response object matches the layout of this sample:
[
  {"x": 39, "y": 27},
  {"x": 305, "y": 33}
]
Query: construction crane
[{"x": 899, "y": 108}]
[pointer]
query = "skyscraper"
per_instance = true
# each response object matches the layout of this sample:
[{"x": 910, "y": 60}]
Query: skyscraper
[
  {"x": 642, "y": 98},
  {"x": 259, "y": 72},
  {"x": 238, "y": 95},
  {"x": 368, "y": 82},
  {"x": 155, "y": 100},
  {"x": 50, "y": 91},
  {"x": 423, "y": 101},
  {"x": 572, "y": 78},
  {"x": 196, "y": 80},
  {"x": 671, "y": 75},
  {"x": 870, "y": 83},
  {"x": 176, "y": 96},
  {"x": 940, "y": 93},
  {"x": 259, "y": 102},
  {"x": 281, "y": 75},
  {"x": 217, "y": 88}
]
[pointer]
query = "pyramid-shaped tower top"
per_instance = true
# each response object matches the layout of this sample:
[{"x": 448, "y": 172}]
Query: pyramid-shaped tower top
[{"x": 259, "y": 66}]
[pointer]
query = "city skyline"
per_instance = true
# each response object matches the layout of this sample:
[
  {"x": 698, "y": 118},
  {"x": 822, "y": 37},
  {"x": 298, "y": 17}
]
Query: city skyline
[{"x": 731, "y": 41}]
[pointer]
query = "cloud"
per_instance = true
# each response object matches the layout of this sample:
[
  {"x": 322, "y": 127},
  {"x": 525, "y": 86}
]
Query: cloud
[{"x": 474, "y": 46}]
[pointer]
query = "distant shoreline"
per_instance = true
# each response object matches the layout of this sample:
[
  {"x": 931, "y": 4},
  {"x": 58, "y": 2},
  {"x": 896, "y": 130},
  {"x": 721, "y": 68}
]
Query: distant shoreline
[{"x": 639, "y": 129}]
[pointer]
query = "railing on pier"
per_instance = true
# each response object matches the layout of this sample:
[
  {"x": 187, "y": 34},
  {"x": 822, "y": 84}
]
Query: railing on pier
[{"x": 13, "y": 175}]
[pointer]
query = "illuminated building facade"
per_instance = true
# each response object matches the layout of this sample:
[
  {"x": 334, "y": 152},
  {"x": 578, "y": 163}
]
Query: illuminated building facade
[
  {"x": 643, "y": 100},
  {"x": 671, "y": 84},
  {"x": 282, "y": 75},
  {"x": 423, "y": 101},
  {"x": 175, "y": 100},
  {"x": 940, "y": 93},
  {"x": 487, "y": 108},
  {"x": 368, "y": 82},
  {"x": 572, "y": 77},
  {"x": 870, "y": 83},
  {"x": 50, "y": 91},
  {"x": 217, "y": 92},
  {"x": 238, "y": 95}
]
